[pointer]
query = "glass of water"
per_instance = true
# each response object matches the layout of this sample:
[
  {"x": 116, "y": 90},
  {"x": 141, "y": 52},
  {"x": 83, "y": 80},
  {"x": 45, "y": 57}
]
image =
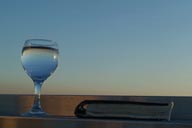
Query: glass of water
[{"x": 39, "y": 59}]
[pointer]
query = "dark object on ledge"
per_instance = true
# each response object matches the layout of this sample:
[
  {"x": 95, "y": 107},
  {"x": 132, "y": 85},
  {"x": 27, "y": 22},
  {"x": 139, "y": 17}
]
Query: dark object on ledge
[{"x": 110, "y": 109}]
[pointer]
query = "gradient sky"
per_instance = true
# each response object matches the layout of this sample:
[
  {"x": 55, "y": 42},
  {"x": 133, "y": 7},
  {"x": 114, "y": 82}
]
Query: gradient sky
[{"x": 107, "y": 47}]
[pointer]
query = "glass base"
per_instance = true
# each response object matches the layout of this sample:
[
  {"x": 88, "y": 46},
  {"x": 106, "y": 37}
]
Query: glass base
[{"x": 35, "y": 114}]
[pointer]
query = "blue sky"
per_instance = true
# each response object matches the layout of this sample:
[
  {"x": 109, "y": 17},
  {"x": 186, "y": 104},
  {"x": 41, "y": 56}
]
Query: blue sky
[{"x": 107, "y": 47}]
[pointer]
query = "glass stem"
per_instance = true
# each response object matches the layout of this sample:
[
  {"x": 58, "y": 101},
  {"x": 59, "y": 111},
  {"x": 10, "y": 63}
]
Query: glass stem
[{"x": 37, "y": 105}]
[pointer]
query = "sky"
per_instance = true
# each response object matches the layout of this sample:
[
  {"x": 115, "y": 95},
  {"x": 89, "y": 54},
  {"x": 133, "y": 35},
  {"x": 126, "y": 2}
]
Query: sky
[{"x": 107, "y": 47}]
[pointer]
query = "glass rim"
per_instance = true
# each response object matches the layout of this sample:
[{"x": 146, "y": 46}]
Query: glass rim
[{"x": 38, "y": 42}]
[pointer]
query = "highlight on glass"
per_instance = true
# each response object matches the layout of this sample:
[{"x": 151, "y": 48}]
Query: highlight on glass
[{"x": 39, "y": 58}]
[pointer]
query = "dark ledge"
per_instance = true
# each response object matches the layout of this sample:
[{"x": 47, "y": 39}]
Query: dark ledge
[
  {"x": 72, "y": 122},
  {"x": 61, "y": 109}
]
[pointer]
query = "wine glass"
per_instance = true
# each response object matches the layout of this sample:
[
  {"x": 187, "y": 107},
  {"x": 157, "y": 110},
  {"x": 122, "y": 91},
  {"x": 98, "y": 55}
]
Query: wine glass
[{"x": 39, "y": 59}]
